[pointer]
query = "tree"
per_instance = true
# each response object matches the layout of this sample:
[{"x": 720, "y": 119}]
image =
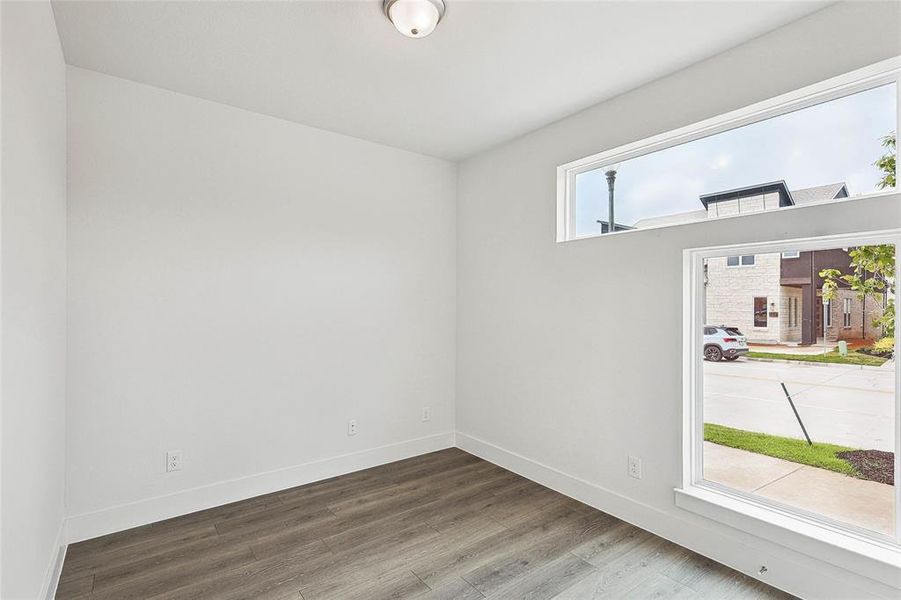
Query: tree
[
  {"x": 873, "y": 274},
  {"x": 886, "y": 162},
  {"x": 873, "y": 266}
]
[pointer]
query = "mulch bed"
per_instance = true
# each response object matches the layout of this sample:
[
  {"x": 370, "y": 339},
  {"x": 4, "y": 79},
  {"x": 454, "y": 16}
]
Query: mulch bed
[{"x": 874, "y": 465}]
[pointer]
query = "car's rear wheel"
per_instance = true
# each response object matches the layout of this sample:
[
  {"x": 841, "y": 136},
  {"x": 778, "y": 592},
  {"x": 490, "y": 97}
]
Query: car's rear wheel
[{"x": 713, "y": 353}]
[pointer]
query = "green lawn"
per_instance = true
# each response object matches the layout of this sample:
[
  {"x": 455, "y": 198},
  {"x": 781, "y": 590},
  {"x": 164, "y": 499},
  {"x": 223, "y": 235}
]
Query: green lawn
[
  {"x": 818, "y": 455},
  {"x": 853, "y": 358}
]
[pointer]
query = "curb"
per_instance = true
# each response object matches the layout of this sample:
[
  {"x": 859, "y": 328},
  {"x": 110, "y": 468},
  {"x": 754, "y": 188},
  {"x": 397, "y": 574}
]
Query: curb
[{"x": 813, "y": 363}]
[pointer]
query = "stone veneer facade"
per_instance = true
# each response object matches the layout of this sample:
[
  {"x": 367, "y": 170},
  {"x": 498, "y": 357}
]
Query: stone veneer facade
[
  {"x": 731, "y": 292},
  {"x": 730, "y": 301}
]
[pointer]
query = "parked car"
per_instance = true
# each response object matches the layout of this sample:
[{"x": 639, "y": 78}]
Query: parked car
[{"x": 722, "y": 342}]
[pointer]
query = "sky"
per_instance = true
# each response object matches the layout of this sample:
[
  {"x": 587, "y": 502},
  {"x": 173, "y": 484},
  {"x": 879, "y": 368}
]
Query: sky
[{"x": 827, "y": 143}]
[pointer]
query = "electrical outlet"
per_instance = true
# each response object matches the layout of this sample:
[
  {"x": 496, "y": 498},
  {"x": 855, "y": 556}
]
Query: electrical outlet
[
  {"x": 352, "y": 427},
  {"x": 173, "y": 460},
  {"x": 635, "y": 467},
  {"x": 426, "y": 413}
]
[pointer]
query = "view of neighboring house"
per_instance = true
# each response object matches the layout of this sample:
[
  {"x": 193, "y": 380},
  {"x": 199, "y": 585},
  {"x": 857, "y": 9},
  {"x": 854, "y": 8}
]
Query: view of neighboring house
[
  {"x": 776, "y": 298},
  {"x": 846, "y": 317}
]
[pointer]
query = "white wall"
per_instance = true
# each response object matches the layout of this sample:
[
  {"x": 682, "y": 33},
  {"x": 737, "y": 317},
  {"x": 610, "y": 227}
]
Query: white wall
[
  {"x": 569, "y": 355},
  {"x": 33, "y": 283},
  {"x": 240, "y": 286}
]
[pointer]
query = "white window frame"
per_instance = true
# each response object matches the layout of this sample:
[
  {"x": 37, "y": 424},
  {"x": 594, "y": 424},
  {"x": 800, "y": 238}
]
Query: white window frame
[
  {"x": 839, "y": 543},
  {"x": 846, "y": 313},
  {"x": 860, "y": 80},
  {"x": 791, "y": 254},
  {"x": 827, "y": 313}
]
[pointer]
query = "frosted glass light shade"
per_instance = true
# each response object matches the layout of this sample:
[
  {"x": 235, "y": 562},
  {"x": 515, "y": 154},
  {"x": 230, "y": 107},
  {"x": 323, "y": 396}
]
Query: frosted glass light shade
[{"x": 414, "y": 18}]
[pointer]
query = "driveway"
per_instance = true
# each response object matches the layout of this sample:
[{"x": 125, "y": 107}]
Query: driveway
[{"x": 839, "y": 404}]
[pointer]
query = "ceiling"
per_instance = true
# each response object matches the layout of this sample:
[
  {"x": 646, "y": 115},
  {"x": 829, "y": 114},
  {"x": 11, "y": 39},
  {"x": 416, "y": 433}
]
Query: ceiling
[{"x": 490, "y": 72}]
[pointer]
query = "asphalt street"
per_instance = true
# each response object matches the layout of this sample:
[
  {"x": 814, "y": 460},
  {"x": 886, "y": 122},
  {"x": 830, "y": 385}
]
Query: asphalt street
[{"x": 839, "y": 404}]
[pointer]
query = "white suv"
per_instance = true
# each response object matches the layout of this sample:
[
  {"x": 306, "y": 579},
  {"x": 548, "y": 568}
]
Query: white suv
[{"x": 723, "y": 342}]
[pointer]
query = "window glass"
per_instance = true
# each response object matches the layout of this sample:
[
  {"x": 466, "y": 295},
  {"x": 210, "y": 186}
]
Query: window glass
[
  {"x": 822, "y": 153},
  {"x": 817, "y": 440},
  {"x": 747, "y": 260},
  {"x": 732, "y": 261},
  {"x": 760, "y": 317}
]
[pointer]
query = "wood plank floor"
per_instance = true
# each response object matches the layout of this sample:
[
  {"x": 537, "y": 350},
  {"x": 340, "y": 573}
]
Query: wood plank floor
[{"x": 440, "y": 526}]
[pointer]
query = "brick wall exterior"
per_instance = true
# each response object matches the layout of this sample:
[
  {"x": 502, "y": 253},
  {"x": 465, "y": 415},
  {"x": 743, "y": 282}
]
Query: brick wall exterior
[{"x": 863, "y": 311}]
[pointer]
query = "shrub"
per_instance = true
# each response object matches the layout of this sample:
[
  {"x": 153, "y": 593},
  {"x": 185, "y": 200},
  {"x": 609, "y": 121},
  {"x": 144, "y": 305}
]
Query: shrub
[{"x": 883, "y": 347}]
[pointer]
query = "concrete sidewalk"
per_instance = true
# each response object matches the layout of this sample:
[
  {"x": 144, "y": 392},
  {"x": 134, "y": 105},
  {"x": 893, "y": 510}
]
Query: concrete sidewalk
[{"x": 863, "y": 503}]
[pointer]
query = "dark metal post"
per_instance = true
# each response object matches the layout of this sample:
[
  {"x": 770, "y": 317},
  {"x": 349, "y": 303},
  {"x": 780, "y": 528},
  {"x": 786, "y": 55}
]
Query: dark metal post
[
  {"x": 797, "y": 416},
  {"x": 611, "y": 221}
]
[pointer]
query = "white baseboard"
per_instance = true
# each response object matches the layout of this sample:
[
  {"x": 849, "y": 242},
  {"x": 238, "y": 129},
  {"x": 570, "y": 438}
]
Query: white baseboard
[
  {"x": 55, "y": 564},
  {"x": 787, "y": 570},
  {"x": 125, "y": 516}
]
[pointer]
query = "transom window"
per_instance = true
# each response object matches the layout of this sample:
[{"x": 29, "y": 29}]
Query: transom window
[{"x": 745, "y": 162}]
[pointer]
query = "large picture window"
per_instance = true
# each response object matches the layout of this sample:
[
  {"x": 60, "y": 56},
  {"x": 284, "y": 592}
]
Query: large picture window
[
  {"x": 831, "y": 142},
  {"x": 796, "y": 424}
]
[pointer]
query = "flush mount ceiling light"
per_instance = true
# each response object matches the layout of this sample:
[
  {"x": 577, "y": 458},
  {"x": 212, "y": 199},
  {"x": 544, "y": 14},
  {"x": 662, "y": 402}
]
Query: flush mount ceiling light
[{"x": 414, "y": 18}]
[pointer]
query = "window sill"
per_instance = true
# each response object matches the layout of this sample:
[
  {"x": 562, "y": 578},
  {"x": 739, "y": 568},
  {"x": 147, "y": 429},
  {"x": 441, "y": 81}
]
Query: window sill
[{"x": 877, "y": 560}]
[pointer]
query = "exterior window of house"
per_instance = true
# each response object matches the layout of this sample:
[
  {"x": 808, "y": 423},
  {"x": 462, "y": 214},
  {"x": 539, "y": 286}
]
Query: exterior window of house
[
  {"x": 760, "y": 317},
  {"x": 722, "y": 167},
  {"x": 771, "y": 442},
  {"x": 740, "y": 261},
  {"x": 791, "y": 254}
]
